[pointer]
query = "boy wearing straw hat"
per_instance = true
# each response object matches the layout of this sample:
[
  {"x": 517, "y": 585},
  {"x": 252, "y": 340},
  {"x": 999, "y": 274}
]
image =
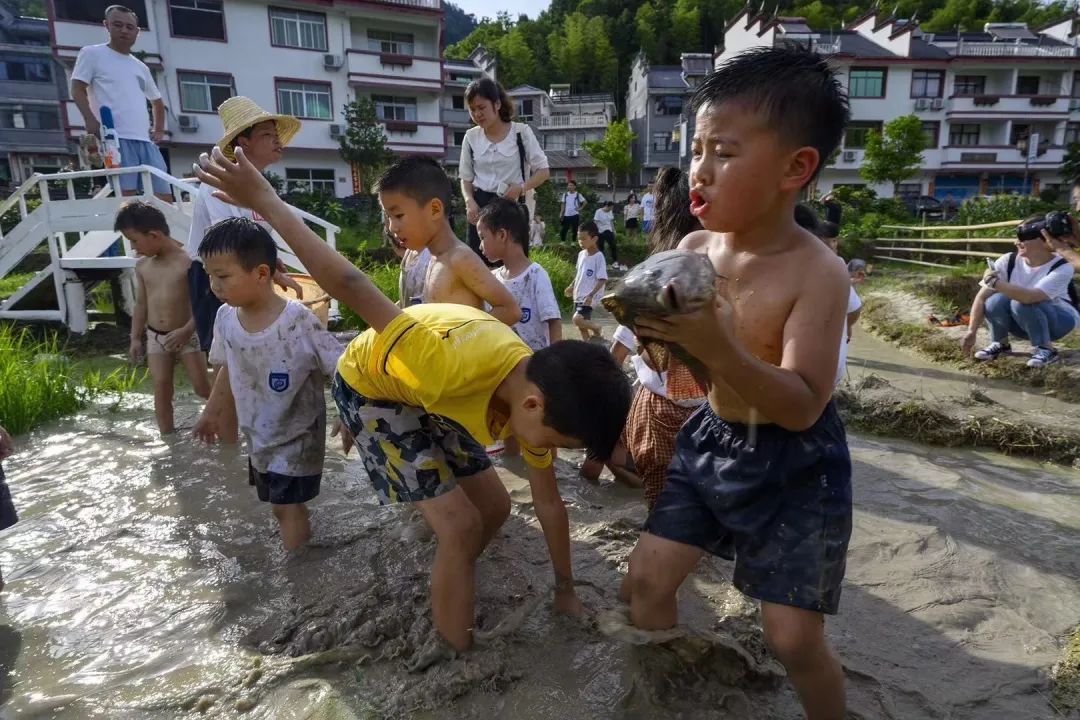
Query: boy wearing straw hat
[{"x": 263, "y": 136}]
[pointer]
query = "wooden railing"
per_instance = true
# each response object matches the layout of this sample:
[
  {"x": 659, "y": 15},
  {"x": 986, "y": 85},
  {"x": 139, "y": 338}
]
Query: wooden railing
[{"x": 914, "y": 246}]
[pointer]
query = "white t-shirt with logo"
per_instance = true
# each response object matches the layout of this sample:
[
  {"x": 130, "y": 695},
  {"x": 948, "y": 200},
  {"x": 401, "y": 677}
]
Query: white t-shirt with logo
[
  {"x": 209, "y": 210},
  {"x": 1055, "y": 284},
  {"x": 648, "y": 206},
  {"x": 536, "y": 298},
  {"x": 605, "y": 220},
  {"x": 120, "y": 82},
  {"x": 277, "y": 377},
  {"x": 572, "y": 203},
  {"x": 854, "y": 303},
  {"x": 590, "y": 268}
]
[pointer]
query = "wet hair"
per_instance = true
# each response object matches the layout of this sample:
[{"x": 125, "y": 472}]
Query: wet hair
[
  {"x": 419, "y": 178},
  {"x": 243, "y": 238},
  {"x": 589, "y": 228},
  {"x": 828, "y": 230},
  {"x": 488, "y": 89},
  {"x": 793, "y": 90},
  {"x": 141, "y": 217},
  {"x": 120, "y": 8},
  {"x": 806, "y": 218},
  {"x": 672, "y": 220},
  {"x": 586, "y": 394},
  {"x": 503, "y": 214}
]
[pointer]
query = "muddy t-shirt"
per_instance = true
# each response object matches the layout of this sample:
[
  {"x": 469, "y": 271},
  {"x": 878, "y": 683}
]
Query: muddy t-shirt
[
  {"x": 277, "y": 377},
  {"x": 536, "y": 298}
]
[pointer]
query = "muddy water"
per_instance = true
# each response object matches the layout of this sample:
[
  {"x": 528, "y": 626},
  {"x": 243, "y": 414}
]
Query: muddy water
[{"x": 146, "y": 581}]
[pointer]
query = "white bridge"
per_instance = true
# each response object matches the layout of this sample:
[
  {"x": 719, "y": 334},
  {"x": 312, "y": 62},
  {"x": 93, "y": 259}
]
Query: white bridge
[{"x": 79, "y": 234}]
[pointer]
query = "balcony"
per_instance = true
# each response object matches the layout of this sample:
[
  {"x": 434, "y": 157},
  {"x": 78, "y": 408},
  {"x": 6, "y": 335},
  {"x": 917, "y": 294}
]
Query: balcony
[
  {"x": 998, "y": 105},
  {"x": 553, "y": 122},
  {"x": 368, "y": 68},
  {"x": 422, "y": 4},
  {"x": 997, "y": 49},
  {"x": 451, "y": 116},
  {"x": 983, "y": 155},
  {"x": 413, "y": 138}
]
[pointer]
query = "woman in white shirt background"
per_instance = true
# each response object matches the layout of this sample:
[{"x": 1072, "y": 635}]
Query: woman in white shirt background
[
  {"x": 632, "y": 216},
  {"x": 499, "y": 157}
]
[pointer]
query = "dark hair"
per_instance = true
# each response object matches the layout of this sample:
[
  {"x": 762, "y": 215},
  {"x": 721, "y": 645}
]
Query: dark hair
[
  {"x": 632, "y": 195},
  {"x": 806, "y": 218},
  {"x": 609, "y": 203},
  {"x": 794, "y": 91},
  {"x": 828, "y": 230},
  {"x": 488, "y": 89},
  {"x": 246, "y": 239},
  {"x": 141, "y": 217},
  {"x": 586, "y": 394},
  {"x": 419, "y": 178},
  {"x": 120, "y": 8},
  {"x": 503, "y": 214},
  {"x": 589, "y": 228},
  {"x": 672, "y": 220}
]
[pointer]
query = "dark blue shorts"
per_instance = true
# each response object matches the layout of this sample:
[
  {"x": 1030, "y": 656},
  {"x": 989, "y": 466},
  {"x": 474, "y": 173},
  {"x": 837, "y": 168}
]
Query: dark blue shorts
[
  {"x": 204, "y": 304},
  {"x": 7, "y": 508},
  {"x": 583, "y": 310},
  {"x": 278, "y": 489},
  {"x": 777, "y": 502}
]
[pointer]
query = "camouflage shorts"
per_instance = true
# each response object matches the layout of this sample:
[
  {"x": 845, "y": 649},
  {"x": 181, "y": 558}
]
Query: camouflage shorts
[{"x": 409, "y": 454}]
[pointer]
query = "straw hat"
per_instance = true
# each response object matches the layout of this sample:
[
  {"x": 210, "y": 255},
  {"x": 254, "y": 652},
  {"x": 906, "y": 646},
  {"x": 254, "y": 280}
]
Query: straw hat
[{"x": 239, "y": 113}]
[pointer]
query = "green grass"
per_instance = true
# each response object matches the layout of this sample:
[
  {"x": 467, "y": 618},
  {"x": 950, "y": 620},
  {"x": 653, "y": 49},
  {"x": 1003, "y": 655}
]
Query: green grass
[
  {"x": 1067, "y": 676},
  {"x": 559, "y": 269},
  {"x": 385, "y": 278},
  {"x": 38, "y": 384},
  {"x": 9, "y": 284}
]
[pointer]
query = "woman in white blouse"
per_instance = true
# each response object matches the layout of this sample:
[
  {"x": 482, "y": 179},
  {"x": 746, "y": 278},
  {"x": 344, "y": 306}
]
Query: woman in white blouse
[{"x": 499, "y": 157}]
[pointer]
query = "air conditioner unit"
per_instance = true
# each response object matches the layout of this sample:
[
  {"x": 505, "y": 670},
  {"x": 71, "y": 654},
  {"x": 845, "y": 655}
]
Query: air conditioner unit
[
  {"x": 188, "y": 123},
  {"x": 331, "y": 61},
  {"x": 849, "y": 156},
  {"x": 922, "y": 104},
  {"x": 336, "y": 131},
  {"x": 937, "y": 103}
]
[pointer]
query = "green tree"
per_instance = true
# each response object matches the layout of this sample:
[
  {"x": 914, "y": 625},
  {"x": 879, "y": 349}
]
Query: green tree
[
  {"x": 1070, "y": 169},
  {"x": 896, "y": 154},
  {"x": 613, "y": 152},
  {"x": 649, "y": 21},
  {"x": 686, "y": 26},
  {"x": 517, "y": 62},
  {"x": 364, "y": 142},
  {"x": 582, "y": 55}
]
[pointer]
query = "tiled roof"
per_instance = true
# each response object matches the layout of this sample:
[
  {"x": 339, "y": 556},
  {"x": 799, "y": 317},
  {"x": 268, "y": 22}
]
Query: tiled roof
[
  {"x": 925, "y": 51},
  {"x": 852, "y": 43},
  {"x": 525, "y": 90},
  {"x": 561, "y": 160}
]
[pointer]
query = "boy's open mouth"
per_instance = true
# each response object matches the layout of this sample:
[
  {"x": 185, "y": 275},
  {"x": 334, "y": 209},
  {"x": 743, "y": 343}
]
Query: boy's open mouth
[{"x": 698, "y": 204}]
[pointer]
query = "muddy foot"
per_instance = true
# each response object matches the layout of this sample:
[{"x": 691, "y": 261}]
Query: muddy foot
[{"x": 435, "y": 650}]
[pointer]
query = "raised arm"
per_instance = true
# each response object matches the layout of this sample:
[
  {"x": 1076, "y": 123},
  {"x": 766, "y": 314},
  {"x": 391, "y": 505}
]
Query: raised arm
[{"x": 241, "y": 184}]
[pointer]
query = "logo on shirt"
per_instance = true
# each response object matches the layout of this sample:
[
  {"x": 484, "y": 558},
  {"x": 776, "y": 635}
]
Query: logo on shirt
[
  {"x": 279, "y": 382},
  {"x": 526, "y": 313},
  {"x": 588, "y": 273}
]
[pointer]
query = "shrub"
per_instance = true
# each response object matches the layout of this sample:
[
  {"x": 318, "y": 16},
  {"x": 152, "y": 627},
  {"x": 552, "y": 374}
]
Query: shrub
[
  {"x": 1000, "y": 208},
  {"x": 385, "y": 277},
  {"x": 559, "y": 269}
]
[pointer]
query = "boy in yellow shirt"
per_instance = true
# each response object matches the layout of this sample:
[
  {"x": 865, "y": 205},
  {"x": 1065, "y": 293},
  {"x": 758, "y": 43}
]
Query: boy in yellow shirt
[{"x": 426, "y": 388}]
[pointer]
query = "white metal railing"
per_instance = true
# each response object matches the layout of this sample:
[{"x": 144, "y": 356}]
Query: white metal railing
[
  {"x": 826, "y": 48},
  {"x": 575, "y": 121},
  {"x": 429, "y": 4},
  {"x": 995, "y": 49}
]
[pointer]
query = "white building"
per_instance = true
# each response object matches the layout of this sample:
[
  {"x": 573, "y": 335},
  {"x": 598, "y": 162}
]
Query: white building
[
  {"x": 980, "y": 97},
  {"x": 308, "y": 58},
  {"x": 457, "y": 74}
]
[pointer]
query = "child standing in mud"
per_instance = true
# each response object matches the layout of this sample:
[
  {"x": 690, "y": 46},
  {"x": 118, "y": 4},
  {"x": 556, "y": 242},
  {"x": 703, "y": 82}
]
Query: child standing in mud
[
  {"x": 762, "y": 472},
  {"x": 417, "y": 195},
  {"x": 162, "y": 328},
  {"x": 426, "y": 388},
  {"x": 274, "y": 358}
]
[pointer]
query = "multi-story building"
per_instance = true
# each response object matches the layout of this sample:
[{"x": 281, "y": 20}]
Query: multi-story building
[
  {"x": 983, "y": 97},
  {"x": 654, "y": 106},
  {"x": 308, "y": 58},
  {"x": 562, "y": 122},
  {"x": 32, "y": 137},
  {"x": 457, "y": 74}
]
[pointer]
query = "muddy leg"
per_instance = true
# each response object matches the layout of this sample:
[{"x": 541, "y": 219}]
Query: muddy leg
[
  {"x": 489, "y": 496},
  {"x": 294, "y": 524},
  {"x": 161, "y": 372},
  {"x": 195, "y": 367},
  {"x": 657, "y": 569},
  {"x": 797, "y": 638}
]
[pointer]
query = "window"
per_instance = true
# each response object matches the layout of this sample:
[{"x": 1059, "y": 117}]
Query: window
[
  {"x": 525, "y": 112},
  {"x": 1076, "y": 85},
  {"x": 310, "y": 101},
  {"x": 311, "y": 180},
  {"x": 462, "y": 77},
  {"x": 41, "y": 118},
  {"x": 395, "y": 109},
  {"x": 197, "y": 19},
  {"x": 1018, "y": 133},
  {"x": 1072, "y": 133},
  {"x": 855, "y": 135},
  {"x": 93, "y": 11},
  {"x": 7, "y": 118},
  {"x": 662, "y": 142},
  {"x": 964, "y": 134},
  {"x": 26, "y": 71},
  {"x": 1027, "y": 85},
  {"x": 866, "y": 83},
  {"x": 392, "y": 43},
  {"x": 202, "y": 92},
  {"x": 669, "y": 105},
  {"x": 297, "y": 29},
  {"x": 927, "y": 83},
  {"x": 931, "y": 132},
  {"x": 909, "y": 189},
  {"x": 459, "y": 138},
  {"x": 969, "y": 85},
  {"x": 457, "y": 102}
]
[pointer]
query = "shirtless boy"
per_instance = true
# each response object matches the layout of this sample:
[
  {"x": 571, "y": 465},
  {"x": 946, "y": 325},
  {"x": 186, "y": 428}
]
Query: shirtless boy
[
  {"x": 415, "y": 194},
  {"x": 162, "y": 310},
  {"x": 775, "y": 496}
]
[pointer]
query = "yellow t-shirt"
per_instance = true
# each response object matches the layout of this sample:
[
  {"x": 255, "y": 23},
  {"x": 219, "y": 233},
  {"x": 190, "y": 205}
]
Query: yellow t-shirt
[{"x": 446, "y": 359}]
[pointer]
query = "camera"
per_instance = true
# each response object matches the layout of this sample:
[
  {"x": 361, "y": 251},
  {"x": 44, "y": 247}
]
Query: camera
[{"x": 1056, "y": 223}]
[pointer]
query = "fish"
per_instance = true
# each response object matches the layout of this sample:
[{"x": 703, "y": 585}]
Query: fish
[{"x": 672, "y": 282}]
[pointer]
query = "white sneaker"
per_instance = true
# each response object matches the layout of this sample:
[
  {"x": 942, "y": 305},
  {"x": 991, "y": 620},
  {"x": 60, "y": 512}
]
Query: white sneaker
[{"x": 992, "y": 351}]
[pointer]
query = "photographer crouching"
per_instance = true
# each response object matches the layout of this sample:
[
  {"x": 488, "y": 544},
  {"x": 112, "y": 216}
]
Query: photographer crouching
[{"x": 1028, "y": 293}]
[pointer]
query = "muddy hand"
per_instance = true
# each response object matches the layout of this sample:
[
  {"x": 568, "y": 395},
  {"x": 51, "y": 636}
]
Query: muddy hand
[
  {"x": 206, "y": 428},
  {"x": 701, "y": 333},
  {"x": 568, "y": 603},
  {"x": 347, "y": 439}
]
